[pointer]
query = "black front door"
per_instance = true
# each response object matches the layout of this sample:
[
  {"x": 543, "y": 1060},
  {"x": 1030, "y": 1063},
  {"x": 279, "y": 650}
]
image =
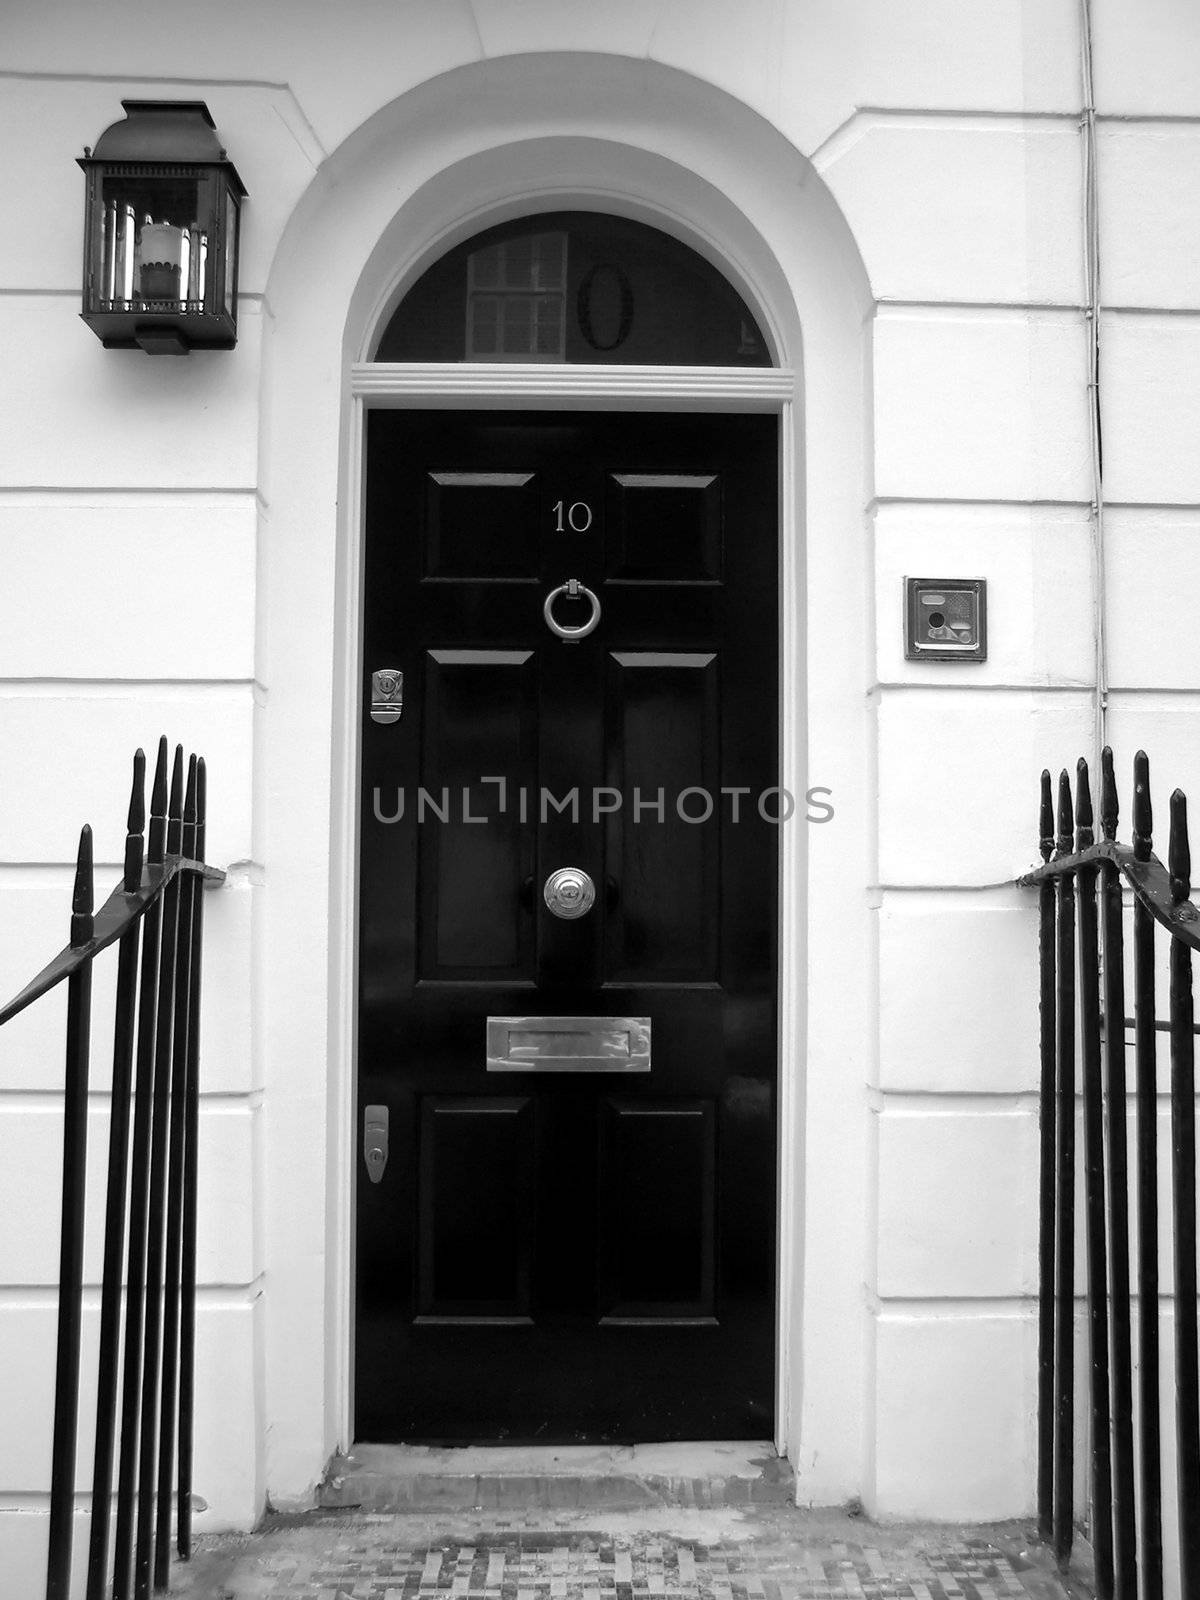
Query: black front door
[{"x": 572, "y": 1236}]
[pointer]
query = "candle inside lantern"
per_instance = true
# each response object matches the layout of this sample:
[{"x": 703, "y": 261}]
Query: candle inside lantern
[{"x": 162, "y": 255}]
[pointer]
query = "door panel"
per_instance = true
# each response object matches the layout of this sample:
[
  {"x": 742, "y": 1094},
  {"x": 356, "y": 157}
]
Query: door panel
[
  {"x": 479, "y": 719},
  {"x": 559, "y": 1255},
  {"x": 475, "y": 1228},
  {"x": 481, "y": 525},
  {"x": 658, "y": 1207},
  {"x": 663, "y": 722},
  {"x": 664, "y": 527}
]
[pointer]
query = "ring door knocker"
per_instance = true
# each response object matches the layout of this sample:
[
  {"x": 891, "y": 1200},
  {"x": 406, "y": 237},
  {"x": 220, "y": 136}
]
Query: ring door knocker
[{"x": 575, "y": 591}]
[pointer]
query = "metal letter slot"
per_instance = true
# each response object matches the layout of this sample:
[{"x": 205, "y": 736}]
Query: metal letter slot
[
  {"x": 568, "y": 1044},
  {"x": 375, "y": 1141},
  {"x": 387, "y": 694}
]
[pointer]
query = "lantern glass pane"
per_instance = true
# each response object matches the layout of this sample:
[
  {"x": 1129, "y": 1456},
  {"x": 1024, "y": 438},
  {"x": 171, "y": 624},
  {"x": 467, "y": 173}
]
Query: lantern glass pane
[
  {"x": 153, "y": 244},
  {"x": 231, "y": 224}
]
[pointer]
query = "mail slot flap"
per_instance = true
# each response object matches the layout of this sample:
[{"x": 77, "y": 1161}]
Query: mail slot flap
[{"x": 568, "y": 1044}]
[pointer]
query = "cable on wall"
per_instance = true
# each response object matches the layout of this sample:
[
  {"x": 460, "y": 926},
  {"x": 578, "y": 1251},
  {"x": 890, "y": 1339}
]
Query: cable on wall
[{"x": 1091, "y": 272}]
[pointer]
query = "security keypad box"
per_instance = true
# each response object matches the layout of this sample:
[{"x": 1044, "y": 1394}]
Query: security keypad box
[{"x": 945, "y": 619}]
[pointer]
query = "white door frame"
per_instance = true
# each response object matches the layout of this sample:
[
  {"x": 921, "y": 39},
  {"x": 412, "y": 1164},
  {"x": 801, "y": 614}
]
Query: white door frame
[
  {"x": 474, "y": 385},
  {"x": 429, "y": 171}
]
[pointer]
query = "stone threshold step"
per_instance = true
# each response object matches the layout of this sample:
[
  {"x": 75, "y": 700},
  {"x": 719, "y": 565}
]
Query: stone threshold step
[{"x": 401, "y": 1478}]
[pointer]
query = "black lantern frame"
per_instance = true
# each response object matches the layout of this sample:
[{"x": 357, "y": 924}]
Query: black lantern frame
[{"x": 161, "y": 232}]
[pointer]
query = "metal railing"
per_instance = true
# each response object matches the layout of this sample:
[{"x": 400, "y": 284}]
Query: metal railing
[
  {"x": 1080, "y": 888},
  {"x": 155, "y": 916}
]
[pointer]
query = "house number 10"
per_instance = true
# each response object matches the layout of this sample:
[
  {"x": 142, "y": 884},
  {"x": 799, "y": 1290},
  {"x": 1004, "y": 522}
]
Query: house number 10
[{"x": 578, "y": 517}]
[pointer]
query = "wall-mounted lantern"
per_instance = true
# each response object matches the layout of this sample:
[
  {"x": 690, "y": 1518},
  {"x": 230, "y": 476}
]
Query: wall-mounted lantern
[{"x": 161, "y": 232}]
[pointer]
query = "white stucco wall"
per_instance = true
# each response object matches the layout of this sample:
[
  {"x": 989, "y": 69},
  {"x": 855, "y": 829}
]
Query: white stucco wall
[{"x": 901, "y": 178}]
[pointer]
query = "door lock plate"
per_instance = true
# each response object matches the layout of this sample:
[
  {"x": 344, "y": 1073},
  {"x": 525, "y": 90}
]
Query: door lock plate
[
  {"x": 375, "y": 1141},
  {"x": 387, "y": 694}
]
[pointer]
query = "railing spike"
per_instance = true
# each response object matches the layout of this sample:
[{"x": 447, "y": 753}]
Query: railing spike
[
  {"x": 201, "y": 806},
  {"x": 158, "y": 792},
  {"x": 1110, "y": 805},
  {"x": 1143, "y": 811},
  {"x": 156, "y": 843},
  {"x": 1065, "y": 838},
  {"x": 136, "y": 825},
  {"x": 1179, "y": 854},
  {"x": 189, "y": 810},
  {"x": 1085, "y": 835},
  {"x": 175, "y": 806},
  {"x": 189, "y": 796},
  {"x": 1046, "y": 817},
  {"x": 137, "y": 795},
  {"x": 175, "y": 803},
  {"x": 83, "y": 898}
]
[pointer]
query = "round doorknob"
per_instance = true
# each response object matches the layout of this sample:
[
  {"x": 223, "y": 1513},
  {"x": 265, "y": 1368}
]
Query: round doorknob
[{"x": 569, "y": 892}]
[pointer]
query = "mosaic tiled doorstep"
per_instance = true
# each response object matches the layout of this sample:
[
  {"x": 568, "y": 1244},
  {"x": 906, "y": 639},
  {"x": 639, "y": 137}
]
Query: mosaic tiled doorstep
[{"x": 362, "y": 1563}]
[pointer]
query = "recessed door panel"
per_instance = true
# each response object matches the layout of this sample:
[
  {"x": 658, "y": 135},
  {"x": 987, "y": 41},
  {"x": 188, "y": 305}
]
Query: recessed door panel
[
  {"x": 665, "y": 527},
  {"x": 567, "y": 968},
  {"x": 475, "y": 1227},
  {"x": 480, "y": 524},
  {"x": 479, "y": 737},
  {"x": 664, "y": 839},
  {"x": 657, "y": 1207}
]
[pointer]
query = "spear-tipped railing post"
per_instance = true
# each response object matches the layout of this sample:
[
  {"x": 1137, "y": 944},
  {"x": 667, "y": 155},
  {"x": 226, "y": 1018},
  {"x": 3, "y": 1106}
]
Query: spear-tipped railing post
[
  {"x": 1064, "y": 1209},
  {"x": 1110, "y": 805},
  {"x": 1124, "y": 1523},
  {"x": 187, "y": 1290},
  {"x": 189, "y": 888},
  {"x": 70, "y": 1268},
  {"x": 115, "y": 1205},
  {"x": 135, "y": 1315},
  {"x": 1146, "y": 1065},
  {"x": 1183, "y": 1146},
  {"x": 159, "y": 1131},
  {"x": 1085, "y": 834},
  {"x": 1094, "y": 1192},
  {"x": 1046, "y": 1023}
]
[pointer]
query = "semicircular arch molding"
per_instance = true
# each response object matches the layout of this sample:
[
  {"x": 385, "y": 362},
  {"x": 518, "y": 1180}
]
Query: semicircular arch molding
[{"x": 490, "y": 141}]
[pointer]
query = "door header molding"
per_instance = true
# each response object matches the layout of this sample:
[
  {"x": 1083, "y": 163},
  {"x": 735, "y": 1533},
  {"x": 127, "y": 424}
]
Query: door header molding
[{"x": 480, "y": 383}]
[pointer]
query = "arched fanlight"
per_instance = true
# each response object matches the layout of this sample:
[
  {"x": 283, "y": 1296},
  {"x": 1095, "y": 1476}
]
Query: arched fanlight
[{"x": 161, "y": 232}]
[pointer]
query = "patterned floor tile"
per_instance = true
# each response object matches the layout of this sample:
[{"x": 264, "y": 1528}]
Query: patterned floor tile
[{"x": 733, "y": 1555}]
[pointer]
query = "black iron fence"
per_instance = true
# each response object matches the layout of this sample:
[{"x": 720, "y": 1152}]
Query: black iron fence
[
  {"x": 147, "y": 1332},
  {"x": 1084, "y": 1029}
]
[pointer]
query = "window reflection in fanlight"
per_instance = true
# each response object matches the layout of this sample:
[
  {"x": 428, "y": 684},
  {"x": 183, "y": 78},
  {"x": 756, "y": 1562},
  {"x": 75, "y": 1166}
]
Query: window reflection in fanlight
[{"x": 576, "y": 287}]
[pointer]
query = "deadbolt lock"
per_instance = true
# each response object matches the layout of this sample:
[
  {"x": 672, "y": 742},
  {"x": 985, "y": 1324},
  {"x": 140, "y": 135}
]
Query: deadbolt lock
[{"x": 387, "y": 694}]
